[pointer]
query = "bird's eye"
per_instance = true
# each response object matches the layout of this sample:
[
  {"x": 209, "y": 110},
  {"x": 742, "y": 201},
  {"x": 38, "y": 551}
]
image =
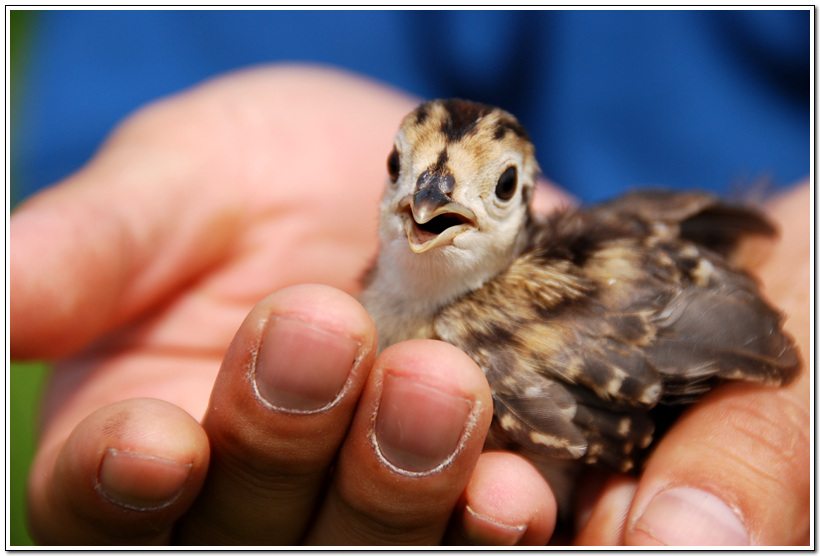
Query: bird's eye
[
  {"x": 393, "y": 165},
  {"x": 505, "y": 188}
]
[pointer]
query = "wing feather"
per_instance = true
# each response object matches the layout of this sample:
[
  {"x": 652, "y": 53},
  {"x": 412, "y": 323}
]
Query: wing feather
[{"x": 609, "y": 313}]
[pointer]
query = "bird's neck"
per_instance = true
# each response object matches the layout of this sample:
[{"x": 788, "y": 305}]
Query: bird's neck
[{"x": 404, "y": 293}]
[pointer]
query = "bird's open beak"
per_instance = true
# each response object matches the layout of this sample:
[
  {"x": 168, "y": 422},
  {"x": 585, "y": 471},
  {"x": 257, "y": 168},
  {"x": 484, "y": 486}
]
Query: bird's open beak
[{"x": 435, "y": 219}]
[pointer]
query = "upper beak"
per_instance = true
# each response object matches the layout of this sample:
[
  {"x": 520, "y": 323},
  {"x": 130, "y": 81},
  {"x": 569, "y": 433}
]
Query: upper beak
[{"x": 436, "y": 217}]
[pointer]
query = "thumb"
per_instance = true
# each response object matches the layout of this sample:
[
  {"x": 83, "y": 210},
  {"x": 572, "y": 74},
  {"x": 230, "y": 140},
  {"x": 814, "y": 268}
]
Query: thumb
[
  {"x": 115, "y": 237},
  {"x": 733, "y": 472}
]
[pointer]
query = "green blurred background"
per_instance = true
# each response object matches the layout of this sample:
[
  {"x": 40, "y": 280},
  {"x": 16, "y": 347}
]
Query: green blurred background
[{"x": 24, "y": 379}]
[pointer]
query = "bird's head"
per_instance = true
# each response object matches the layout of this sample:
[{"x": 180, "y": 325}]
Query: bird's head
[{"x": 461, "y": 175}]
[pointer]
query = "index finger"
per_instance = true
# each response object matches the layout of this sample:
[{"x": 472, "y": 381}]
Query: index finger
[{"x": 116, "y": 236}]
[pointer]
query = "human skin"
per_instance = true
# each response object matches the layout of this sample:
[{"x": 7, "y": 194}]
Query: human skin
[{"x": 190, "y": 404}]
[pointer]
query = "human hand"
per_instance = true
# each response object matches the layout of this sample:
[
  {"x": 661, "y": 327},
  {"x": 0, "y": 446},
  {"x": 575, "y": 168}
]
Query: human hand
[
  {"x": 161, "y": 289},
  {"x": 735, "y": 468},
  {"x": 136, "y": 272}
]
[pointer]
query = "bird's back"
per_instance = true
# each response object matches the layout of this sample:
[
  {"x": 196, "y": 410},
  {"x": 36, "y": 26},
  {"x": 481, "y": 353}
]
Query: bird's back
[{"x": 613, "y": 310}]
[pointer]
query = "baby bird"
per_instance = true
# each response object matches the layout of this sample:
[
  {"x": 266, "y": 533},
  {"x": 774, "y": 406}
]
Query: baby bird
[{"x": 584, "y": 322}]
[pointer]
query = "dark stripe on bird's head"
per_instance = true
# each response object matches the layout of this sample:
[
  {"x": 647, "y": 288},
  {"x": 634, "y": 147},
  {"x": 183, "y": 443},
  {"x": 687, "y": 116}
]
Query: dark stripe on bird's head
[
  {"x": 462, "y": 117},
  {"x": 440, "y": 167},
  {"x": 422, "y": 112},
  {"x": 506, "y": 124}
]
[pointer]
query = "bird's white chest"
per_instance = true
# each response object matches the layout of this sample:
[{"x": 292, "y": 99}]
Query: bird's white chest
[
  {"x": 397, "y": 317},
  {"x": 406, "y": 295}
]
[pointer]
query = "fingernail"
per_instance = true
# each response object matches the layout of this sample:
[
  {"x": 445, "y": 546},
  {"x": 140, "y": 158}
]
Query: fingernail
[
  {"x": 419, "y": 428},
  {"x": 481, "y": 530},
  {"x": 300, "y": 367},
  {"x": 690, "y": 517},
  {"x": 139, "y": 481}
]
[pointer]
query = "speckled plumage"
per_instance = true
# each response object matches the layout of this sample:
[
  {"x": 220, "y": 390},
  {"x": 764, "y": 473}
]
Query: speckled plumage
[
  {"x": 631, "y": 319},
  {"x": 583, "y": 321}
]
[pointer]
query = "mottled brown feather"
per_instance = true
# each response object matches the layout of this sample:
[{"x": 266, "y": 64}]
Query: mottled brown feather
[{"x": 616, "y": 304}]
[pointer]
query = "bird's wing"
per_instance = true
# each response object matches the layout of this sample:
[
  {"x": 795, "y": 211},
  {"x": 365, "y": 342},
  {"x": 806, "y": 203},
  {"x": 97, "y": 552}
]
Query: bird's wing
[
  {"x": 561, "y": 386},
  {"x": 605, "y": 337},
  {"x": 696, "y": 216}
]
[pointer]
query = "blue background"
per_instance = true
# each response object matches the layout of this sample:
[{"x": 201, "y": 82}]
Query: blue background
[{"x": 613, "y": 99}]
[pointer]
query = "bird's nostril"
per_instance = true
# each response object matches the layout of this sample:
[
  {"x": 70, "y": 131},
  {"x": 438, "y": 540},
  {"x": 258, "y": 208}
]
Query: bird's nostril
[
  {"x": 423, "y": 180},
  {"x": 435, "y": 181},
  {"x": 447, "y": 184}
]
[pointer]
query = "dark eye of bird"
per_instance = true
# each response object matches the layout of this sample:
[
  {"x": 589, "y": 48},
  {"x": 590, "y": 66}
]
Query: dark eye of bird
[
  {"x": 393, "y": 165},
  {"x": 505, "y": 188}
]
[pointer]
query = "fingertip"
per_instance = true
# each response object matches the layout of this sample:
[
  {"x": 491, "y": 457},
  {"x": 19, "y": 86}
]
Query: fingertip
[
  {"x": 281, "y": 405},
  {"x": 507, "y": 502},
  {"x": 732, "y": 471},
  {"x": 321, "y": 331},
  {"x": 307, "y": 349},
  {"x": 124, "y": 476},
  {"x": 418, "y": 432},
  {"x": 420, "y": 379},
  {"x": 406, "y": 437}
]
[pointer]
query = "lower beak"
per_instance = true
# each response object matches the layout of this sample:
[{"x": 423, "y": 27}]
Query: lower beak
[{"x": 435, "y": 219}]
